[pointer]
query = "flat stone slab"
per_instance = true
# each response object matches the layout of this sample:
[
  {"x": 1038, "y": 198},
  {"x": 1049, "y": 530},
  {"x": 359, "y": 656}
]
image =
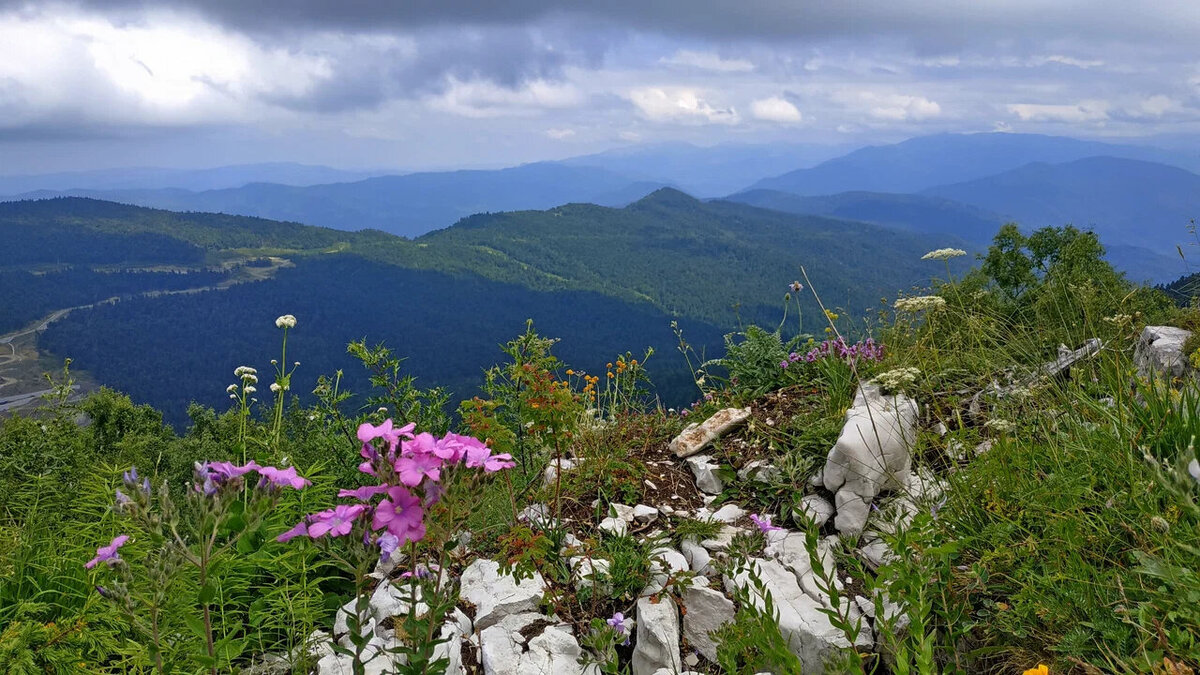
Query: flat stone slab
[{"x": 696, "y": 438}]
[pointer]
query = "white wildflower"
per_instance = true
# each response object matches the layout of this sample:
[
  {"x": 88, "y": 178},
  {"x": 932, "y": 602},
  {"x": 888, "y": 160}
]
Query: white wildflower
[
  {"x": 920, "y": 302},
  {"x": 231, "y": 389},
  {"x": 252, "y": 379},
  {"x": 274, "y": 362},
  {"x": 242, "y": 371},
  {"x": 944, "y": 254},
  {"x": 285, "y": 321},
  {"x": 898, "y": 378},
  {"x": 999, "y": 425},
  {"x": 275, "y": 388},
  {"x": 250, "y": 390},
  {"x": 233, "y": 396}
]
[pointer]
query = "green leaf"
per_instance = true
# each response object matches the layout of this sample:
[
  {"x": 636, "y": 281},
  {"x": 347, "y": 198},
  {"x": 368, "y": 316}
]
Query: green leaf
[{"x": 207, "y": 593}]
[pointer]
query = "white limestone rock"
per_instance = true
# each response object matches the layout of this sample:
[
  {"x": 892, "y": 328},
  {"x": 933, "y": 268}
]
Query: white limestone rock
[
  {"x": 758, "y": 470},
  {"x": 496, "y": 595},
  {"x": 873, "y": 452},
  {"x": 707, "y": 610},
  {"x": 657, "y": 644},
  {"x": 729, "y": 514},
  {"x": 698, "y": 557},
  {"x": 810, "y": 635},
  {"x": 550, "y": 476},
  {"x": 1159, "y": 351},
  {"x": 814, "y": 510},
  {"x": 644, "y": 514},
  {"x": 503, "y": 651},
  {"x": 722, "y": 539},
  {"x": 693, "y": 439},
  {"x": 615, "y": 526},
  {"x": 705, "y": 472}
]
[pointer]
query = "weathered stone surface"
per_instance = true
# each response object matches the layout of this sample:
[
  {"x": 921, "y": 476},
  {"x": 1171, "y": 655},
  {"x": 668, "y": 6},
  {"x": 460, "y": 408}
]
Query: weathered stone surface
[
  {"x": 698, "y": 557},
  {"x": 550, "y": 476},
  {"x": 814, "y": 509},
  {"x": 622, "y": 511},
  {"x": 722, "y": 539},
  {"x": 758, "y": 470},
  {"x": 729, "y": 514},
  {"x": 665, "y": 563},
  {"x": 707, "y": 610},
  {"x": 657, "y": 643},
  {"x": 644, "y": 514},
  {"x": 695, "y": 438},
  {"x": 496, "y": 595},
  {"x": 792, "y": 552},
  {"x": 1159, "y": 351},
  {"x": 705, "y": 471},
  {"x": 588, "y": 571},
  {"x": 503, "y": 650},
  {"x": 614, "y": 526},
  {"x": 810, "y": 635},
  {"x": 872, "y": 452}
]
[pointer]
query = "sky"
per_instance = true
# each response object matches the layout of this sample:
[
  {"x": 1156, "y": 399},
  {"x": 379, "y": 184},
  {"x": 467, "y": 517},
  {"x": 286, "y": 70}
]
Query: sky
[{"x": 453, "y": 83}]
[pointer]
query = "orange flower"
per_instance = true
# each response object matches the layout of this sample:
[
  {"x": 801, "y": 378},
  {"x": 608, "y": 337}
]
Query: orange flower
[
  {"x": 570, "y": 372},
  {"x": 1042, "y": 669},
  {"x": 610, "y": 375}
]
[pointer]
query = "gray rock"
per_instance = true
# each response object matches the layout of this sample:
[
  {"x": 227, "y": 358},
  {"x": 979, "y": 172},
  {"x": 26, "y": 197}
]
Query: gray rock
[
  {"x": 615, "y": 526},
  {"x": 810, "y": 635},
  {"x": 873, "y": 452},
  {"x": 875, "y": 553},
  {"x": 729, "y": 514},
  {"x": 502, "y": 650},
  {"x": 707, "y": 610},
  {"x": 496, "y": 596},
  {"x": 537, "y": 515},
  {"x": 665, "y": 563},
  {"x": 588, "y": 571},
  {"x": 550, "y": 476},
  {"x": 644, "y": 514},
  {"x": 1159, "y": 351},
  {"x": 657, "y": 643},
  {"x": 695, "y": 438},
  {"x": 813, "y": 509},
  {"x": 705, "y": 472},
  {"x": 621, "y": 511},
  {"x": 698, "y": 557},
  {"x": 722, "y": 539},
  {"x": 758, "y": 470}
]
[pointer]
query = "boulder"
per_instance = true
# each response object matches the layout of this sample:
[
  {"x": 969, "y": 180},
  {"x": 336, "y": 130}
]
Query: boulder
[
  {"x": 503, "y": 650},
  {"x": 706, "y": 611},
  {"x": 1159, "y": 351},
  {"x": 729, "y": 514},
  {"x": 810, "y": 635},
  {"x": 665, "y": 563},
  {"x": 615, "y": 526},
  {"x": 657, "y": 644},
  {"x": 705, "y": 471},
  {"x": 873, "y": 452},
  {"x": 644, "y": 514},
  {"x": 496, "y": 595},
  {"x": 695, "y": 438}
]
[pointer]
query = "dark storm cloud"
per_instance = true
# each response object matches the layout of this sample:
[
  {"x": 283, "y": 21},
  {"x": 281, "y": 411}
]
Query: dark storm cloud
[{"x": 932, "y": 26}]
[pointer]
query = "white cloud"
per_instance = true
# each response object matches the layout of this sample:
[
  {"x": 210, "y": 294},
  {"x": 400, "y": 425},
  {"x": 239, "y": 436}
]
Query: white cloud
[
  {"x": 663, "y": 104},
  {"x": 631, "y": 136},
  {"x": 1157, "y": 106},
  {"x": 483, "y": 98},
  {"x": 560, "y": 134},
  {"x": 889, "y": 107},
  {"x": 1084, "y": 111},
  {"x": 707, "y": 61},
  {"x": 775, "y": 109},
  {"x": 1068, "y": 61}
]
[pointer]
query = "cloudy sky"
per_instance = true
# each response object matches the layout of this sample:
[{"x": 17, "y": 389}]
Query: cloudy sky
[{"x": 441, "y": 83}]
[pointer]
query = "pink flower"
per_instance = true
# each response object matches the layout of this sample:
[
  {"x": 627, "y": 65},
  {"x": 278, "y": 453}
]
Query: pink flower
[
  {"x": 227, "y": 470},
  {"x": 364, "y": 493},
  {"x": 107, "y": 553},
  {"x": 335, "y": 522},
  {"x": 369, "y": 432},
  {"x": 417, "y": 467},
  {"x": 401, "y": 514},
  {"x": 388, "y": 543},
  {"x": 481, "y": 456},
  {"x": 283, "y": 477},
  {"x": 300, "y": 530},
  {"x": 764, "y": 523}
]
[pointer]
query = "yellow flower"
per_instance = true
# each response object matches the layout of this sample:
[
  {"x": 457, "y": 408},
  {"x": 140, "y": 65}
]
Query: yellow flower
[
  {"x": 570, "y": 372},
  {"x": 610, "y": 375},
  {"x": 1042, "y": 669}
]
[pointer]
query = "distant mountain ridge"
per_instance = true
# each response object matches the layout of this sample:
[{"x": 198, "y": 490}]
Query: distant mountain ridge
[
  {"x": 157, "y": 178},
  {"x": 928, "y": 161}
]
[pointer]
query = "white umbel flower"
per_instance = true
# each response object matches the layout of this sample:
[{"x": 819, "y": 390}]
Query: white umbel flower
[
  {"x": 920, "y": 302},
  {"x": 250, "y": 390},
  {"x": 275, "y": 388},
  {"x": 285, "y": 321},
  {"x": 898, "y": 379},
  {"x": 231, "y": 389},
  {"x": 944, "y": 254}
]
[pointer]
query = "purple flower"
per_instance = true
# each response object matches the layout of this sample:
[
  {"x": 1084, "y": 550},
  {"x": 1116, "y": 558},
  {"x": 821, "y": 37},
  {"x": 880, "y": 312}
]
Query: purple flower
[
  {"x": 620, "y": 624},
  {"x": 417, "y": 467},
  {"x": 335, "y": 522},
  {"x": 227, "y": 470},
  {"x": 300, "y": 530},
  {"x": 764, "y": 523},
  {"x": 796, "y": 286},
  {"x": 481, "y": 456},
  {"x": 364, "y": 493},
  {"x": 122, "y": 498},
  {"x": 401, "y": 514},
  {"x": 388, "y": 543},
  {"x": 283, "y": 477},
  {"x": 369, "y": 432},
  {"x": 937, "y": 507},
  {"x": 108, "y": 553},
  {"x": 783, "y": 364}
]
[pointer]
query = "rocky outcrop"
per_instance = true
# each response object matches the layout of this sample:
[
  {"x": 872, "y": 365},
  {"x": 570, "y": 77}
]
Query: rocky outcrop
[
  {"x": 657, "y": 645},
  {"x": 505, "y": 648},
  {"x": 496, "y": 595},
  {"x": 1159, "y": 351},
  {"x": 873, "y": 452},
  {"x": 706, "y": 611}
]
